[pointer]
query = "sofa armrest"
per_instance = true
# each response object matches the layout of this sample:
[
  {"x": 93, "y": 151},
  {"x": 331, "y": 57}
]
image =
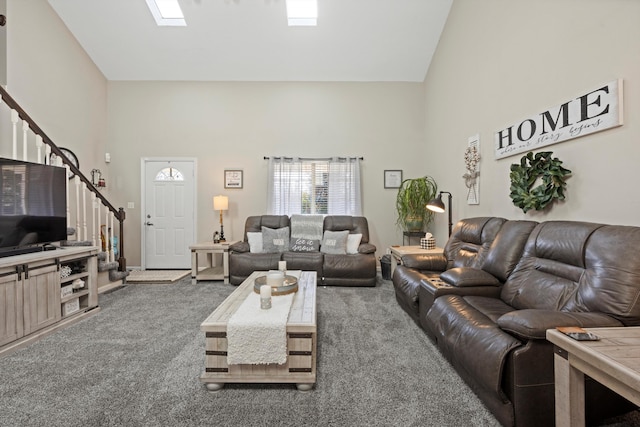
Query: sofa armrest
[
  {"x": 427, "y": 262},
  {"x": 532, "y": 324},
  {"x": 463, "y": 277},
  {"x": 240, "y": 247},
  {"x": 366, "y": 248}
]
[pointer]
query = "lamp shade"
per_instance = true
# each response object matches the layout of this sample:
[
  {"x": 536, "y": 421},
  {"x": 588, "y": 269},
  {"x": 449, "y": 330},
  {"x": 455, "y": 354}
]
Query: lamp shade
[
  {"x": 436, "y": 205},
  {"x": 220, "y": 203}
]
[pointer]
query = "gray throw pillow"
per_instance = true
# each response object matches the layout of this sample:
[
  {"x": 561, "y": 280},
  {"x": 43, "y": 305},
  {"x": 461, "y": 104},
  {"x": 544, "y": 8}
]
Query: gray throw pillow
[
  {"x": 275, "y": 240},
  {"x": 299, "y": 244},
  {"x": 335, "y": 242}
]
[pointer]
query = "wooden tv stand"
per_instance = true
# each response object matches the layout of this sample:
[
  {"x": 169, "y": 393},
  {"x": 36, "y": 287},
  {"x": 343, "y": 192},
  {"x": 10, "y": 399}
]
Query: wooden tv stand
[{"x": 36, "y": 300}]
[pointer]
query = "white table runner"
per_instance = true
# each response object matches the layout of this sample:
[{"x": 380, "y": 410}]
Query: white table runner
[{"x": 258, "y": 336}]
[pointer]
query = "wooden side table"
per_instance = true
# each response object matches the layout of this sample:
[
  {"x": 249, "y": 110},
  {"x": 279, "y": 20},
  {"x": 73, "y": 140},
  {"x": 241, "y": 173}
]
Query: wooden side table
[
  {"x": 614, "y": 362},
  {"x": 408, "y": 235},
  {"x": 398, "y": 251},
  {"x": 217, "y": 261}
]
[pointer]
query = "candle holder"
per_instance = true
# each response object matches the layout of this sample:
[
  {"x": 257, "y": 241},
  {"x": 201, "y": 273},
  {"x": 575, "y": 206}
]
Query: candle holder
[{"x": 265, "y": 303}]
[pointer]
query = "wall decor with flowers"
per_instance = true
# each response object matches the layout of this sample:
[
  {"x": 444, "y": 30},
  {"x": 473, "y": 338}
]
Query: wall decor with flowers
[{"x": 471, "y": 176}]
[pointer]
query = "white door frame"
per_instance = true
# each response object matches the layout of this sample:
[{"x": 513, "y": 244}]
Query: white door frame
[{"x": 143, "y": 192}]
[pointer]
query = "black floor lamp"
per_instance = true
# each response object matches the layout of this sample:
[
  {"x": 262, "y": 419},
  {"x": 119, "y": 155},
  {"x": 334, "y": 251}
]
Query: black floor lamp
[{"x": 436, "y": 205}]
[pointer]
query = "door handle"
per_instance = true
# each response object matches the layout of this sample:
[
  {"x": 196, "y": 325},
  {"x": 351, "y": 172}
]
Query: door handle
[{"x": 148, "y": 223}]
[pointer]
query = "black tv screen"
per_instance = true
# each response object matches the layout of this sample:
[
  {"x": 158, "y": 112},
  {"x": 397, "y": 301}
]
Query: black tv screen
[{"x": 33, "y": 200}]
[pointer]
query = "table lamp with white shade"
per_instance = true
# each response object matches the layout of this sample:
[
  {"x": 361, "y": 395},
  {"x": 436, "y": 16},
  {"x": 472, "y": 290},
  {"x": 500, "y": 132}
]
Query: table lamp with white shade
[{"x": 221, "y": 203}]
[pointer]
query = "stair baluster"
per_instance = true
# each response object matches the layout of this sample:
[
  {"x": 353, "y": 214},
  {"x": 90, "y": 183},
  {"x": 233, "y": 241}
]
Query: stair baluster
[{"x": 96, "y": 198}]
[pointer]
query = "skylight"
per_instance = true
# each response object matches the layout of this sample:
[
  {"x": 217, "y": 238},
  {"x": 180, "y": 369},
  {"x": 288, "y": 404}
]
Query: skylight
[
  {"x": 302, "y": 12},
  {"x": 167, "y": 12}
]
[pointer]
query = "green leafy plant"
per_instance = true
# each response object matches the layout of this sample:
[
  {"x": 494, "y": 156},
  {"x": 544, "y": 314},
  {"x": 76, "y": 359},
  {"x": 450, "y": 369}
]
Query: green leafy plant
[
  {"x": 532, "y": 169},
  {"x": 411, "y": 201}
]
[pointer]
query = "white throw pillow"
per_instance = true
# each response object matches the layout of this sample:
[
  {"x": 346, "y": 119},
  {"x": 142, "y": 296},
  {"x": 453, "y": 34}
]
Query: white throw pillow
[
  {"x": 353, "y": 242},
  {"x": 255, "y": 242}
]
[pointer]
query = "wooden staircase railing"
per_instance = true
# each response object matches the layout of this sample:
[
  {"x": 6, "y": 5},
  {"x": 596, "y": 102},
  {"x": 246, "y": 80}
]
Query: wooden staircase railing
[{"x": 81, "y": 182}]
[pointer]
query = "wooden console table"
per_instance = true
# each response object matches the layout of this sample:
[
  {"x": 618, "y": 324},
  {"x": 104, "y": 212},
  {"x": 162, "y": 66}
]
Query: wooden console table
[
  {"x": 613, "y": 361},
  {"x": 36, "y": 299},
  {"x": 213, "y": 270}
]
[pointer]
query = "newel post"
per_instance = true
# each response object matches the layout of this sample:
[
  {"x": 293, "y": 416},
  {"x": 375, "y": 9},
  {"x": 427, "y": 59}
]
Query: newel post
[{"x": 122, "y": 261}]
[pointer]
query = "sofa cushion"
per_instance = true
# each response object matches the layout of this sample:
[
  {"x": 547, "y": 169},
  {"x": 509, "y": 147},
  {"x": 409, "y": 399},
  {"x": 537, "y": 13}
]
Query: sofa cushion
[
  {"x": 300, "y": 244},
  {"x": 551, "y": 267},
  {"x": 612, "y": 277},
  {"x": 507, "y": 247},
  {"x": 255, "y": 242},
  {"x": 353, "y": 242},
  {"x": 354, "y": 224},
  {"x": 470, "y": 240},
  {"x": 470, "y": 339},
  {"x": 274, "y": 241},
  {"x": 307, "y": 261},
  {"x": 467, "y": 276},
  {"x": 255, "y": 223},
  {"x": 334, "y": 242}
]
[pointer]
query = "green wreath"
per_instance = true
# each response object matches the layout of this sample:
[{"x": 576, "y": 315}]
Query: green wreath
[{"x": 531, "y": 168}]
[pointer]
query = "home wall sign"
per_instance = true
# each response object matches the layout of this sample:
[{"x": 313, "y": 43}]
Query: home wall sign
[{"x": 591, "y": 112}]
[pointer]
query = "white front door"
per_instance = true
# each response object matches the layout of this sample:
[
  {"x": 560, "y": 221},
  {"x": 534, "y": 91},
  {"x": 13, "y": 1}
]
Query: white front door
[{"x": 168, "y": 213}]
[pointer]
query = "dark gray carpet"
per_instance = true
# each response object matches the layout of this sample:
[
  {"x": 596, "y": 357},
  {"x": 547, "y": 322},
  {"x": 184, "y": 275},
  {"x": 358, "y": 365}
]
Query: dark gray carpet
[{"x": 138, "y": 362}]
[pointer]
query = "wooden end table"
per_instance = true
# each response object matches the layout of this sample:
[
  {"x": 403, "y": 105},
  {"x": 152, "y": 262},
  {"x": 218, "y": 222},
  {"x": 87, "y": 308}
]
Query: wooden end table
[
  {"x": 398, "y": 251},
  {"x": 613, "y": 361},
  {"x": 212, "y": 270},
  {"x": 302, "y": 336}
]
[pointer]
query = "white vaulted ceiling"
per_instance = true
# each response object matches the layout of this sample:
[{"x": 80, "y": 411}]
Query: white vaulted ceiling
[{"x": 249, "y": 40}]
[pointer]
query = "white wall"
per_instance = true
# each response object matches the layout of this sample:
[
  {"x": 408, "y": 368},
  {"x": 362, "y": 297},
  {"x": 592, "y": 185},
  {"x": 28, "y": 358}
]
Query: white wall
[
  {"x": 55, "y": 81},
  {"x": 234, "y": 125},
  {"x": 499, "y": 61}
]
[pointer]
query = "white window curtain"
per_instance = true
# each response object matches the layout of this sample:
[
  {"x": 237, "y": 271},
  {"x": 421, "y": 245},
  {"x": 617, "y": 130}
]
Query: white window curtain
[{"x": 314, "y": 186}]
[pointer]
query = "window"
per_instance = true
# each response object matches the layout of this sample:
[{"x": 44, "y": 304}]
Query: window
[
  {"x": 167, "y": 13},
  {"x": 314, "y": 186},
  {"x": 302, "y": 13},
  {"x": 169, "y": 174}
]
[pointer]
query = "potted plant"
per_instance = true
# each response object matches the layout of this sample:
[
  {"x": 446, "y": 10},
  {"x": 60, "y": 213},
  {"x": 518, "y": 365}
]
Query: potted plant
[{"x": 411, "y": 202}]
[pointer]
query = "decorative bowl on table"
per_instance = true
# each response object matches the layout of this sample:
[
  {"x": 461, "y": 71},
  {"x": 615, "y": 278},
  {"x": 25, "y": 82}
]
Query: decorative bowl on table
[{"x": 289, "y": 285}]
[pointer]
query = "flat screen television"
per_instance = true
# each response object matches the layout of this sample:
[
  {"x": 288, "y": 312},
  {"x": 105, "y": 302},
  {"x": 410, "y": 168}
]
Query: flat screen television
[{"x": 33, "y": 200}]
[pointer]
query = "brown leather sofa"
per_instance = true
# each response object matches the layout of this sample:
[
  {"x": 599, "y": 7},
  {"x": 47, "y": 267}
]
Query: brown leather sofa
[
  {"x": 555, "y": 273},
  {"x": 357, "y": 269}
]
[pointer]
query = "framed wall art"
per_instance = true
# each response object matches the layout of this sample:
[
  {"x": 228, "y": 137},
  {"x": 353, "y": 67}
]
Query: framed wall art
[
  {"x": 392, "y": 178},
  {"x": 233, "y": 178}
]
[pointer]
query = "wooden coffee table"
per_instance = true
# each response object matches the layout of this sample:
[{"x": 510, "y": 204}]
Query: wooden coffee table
[{"x": 302, "y": 335}]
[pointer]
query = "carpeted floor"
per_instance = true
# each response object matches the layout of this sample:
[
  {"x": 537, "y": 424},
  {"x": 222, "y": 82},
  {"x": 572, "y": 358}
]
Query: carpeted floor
[{"x": 138, "y": 362}]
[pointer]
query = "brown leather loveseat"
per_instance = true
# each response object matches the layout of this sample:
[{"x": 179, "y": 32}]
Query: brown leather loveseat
[
  {"x": 357, "y": 268},
  {"x": 568, "y": 274}
]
